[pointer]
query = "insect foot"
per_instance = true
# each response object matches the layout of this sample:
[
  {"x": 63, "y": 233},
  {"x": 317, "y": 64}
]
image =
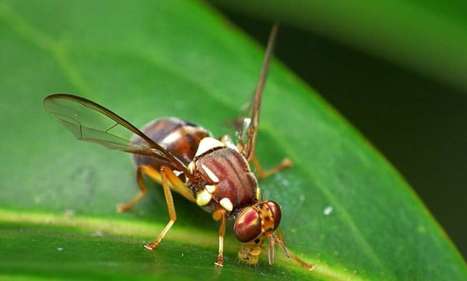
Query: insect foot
[
  {"x": 286, "y": 163},
  {"x": 122, "y": 208},
  {"x": 151, "y": 246},
  {"x": 219, "y": 261}
]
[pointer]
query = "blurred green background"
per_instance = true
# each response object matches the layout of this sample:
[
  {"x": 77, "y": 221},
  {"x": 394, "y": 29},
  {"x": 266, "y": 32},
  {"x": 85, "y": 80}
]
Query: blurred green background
[
  {"x": 416, "y": 117},
  {"x": 395, "y": 69}
]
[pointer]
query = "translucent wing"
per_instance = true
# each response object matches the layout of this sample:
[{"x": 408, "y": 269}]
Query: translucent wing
[
  {"x": 91, "y": 122},
  {"x": 247, "y": 127}
]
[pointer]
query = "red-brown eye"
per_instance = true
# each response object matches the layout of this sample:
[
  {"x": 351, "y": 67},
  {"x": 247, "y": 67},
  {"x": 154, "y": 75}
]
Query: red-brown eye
[
  {"x": 247, "y": 225},
  {"x": 276, "y": 212}
]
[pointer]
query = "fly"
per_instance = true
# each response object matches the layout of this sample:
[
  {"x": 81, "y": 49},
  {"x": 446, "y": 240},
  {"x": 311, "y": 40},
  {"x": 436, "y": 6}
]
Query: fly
[{"x": 213, "y": 173}]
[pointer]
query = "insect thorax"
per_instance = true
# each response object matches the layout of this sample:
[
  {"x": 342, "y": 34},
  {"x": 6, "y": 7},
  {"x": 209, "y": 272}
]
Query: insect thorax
[{"x": 225, "y": 177}]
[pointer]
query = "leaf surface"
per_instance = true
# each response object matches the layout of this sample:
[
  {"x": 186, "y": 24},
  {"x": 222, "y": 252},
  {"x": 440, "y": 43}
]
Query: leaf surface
[{"x": 344, "y": 207}]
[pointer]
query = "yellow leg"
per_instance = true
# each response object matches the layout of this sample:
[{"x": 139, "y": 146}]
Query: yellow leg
[
  {"x": 220, "y": 257},
  {"x": 271, "y": 251},
  {"x": 279, "y": 240},
  {"x": 262, "y": 174},
  {"x": 166, "y": 175},
  {"x": 179, "y": 186},
  {"x": 140, "y": 172}
]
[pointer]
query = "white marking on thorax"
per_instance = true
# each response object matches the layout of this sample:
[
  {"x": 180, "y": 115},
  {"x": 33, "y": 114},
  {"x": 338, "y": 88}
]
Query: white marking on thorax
[
  {"x": 211, "y": 188},
  {"x": 210, "y": 173},
  {"x": 208, "y": 143},
  {"x": 203, "y": 197},
  {"x": 226, "y": 204},
  {"x": 172, "y": 137},
  {"x": 246, "y": 123},
  {"x": 229, "y": 143},
  {"x": 191, "y": 167}
]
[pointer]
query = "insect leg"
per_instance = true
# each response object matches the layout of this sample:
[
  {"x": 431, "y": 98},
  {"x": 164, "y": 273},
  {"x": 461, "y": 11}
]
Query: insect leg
[
  {"x": 140, "y": 172},
  {"x": 271, "y": 250},
  {"x": 166, "y": 173},
  {"x": 262, "y": 174},
  {"x": 179, "y": 186},
  {"x": 220, "y": 257},
  {"x": 279, "y": 240}
]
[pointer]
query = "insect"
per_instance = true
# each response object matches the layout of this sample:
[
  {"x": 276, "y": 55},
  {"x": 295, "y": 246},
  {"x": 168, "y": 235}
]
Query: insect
[{"x": 214, "y": 173}]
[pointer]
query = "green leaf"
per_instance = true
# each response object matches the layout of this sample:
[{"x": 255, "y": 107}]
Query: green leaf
[
  {"x": 344, "y": 207},
  {"x": 428, "y": 36}
]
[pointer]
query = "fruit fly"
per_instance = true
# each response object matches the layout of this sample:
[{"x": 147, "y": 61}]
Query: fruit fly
[{"x": 214, "y": 173}]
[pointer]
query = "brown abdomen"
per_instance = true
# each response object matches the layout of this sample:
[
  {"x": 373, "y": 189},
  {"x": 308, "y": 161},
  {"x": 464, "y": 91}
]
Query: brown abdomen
[
  {"x": 234, "y": 179},
  {"x": 179, "y": 137}
]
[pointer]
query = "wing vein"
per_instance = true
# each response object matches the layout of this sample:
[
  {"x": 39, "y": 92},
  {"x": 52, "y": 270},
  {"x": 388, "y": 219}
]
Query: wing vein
[{"x": 91, "y": 122}]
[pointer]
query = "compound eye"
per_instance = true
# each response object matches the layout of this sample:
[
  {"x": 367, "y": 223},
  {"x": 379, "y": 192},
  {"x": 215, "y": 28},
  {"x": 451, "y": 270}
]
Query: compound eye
[
  {"x": 247, "y": 225},
  {"x": 276, "y": 212}
]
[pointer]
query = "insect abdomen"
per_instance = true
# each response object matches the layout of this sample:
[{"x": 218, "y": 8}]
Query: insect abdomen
[
  {"x": 230, "y": 170},
  {"x": 179, "y": 137}
]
